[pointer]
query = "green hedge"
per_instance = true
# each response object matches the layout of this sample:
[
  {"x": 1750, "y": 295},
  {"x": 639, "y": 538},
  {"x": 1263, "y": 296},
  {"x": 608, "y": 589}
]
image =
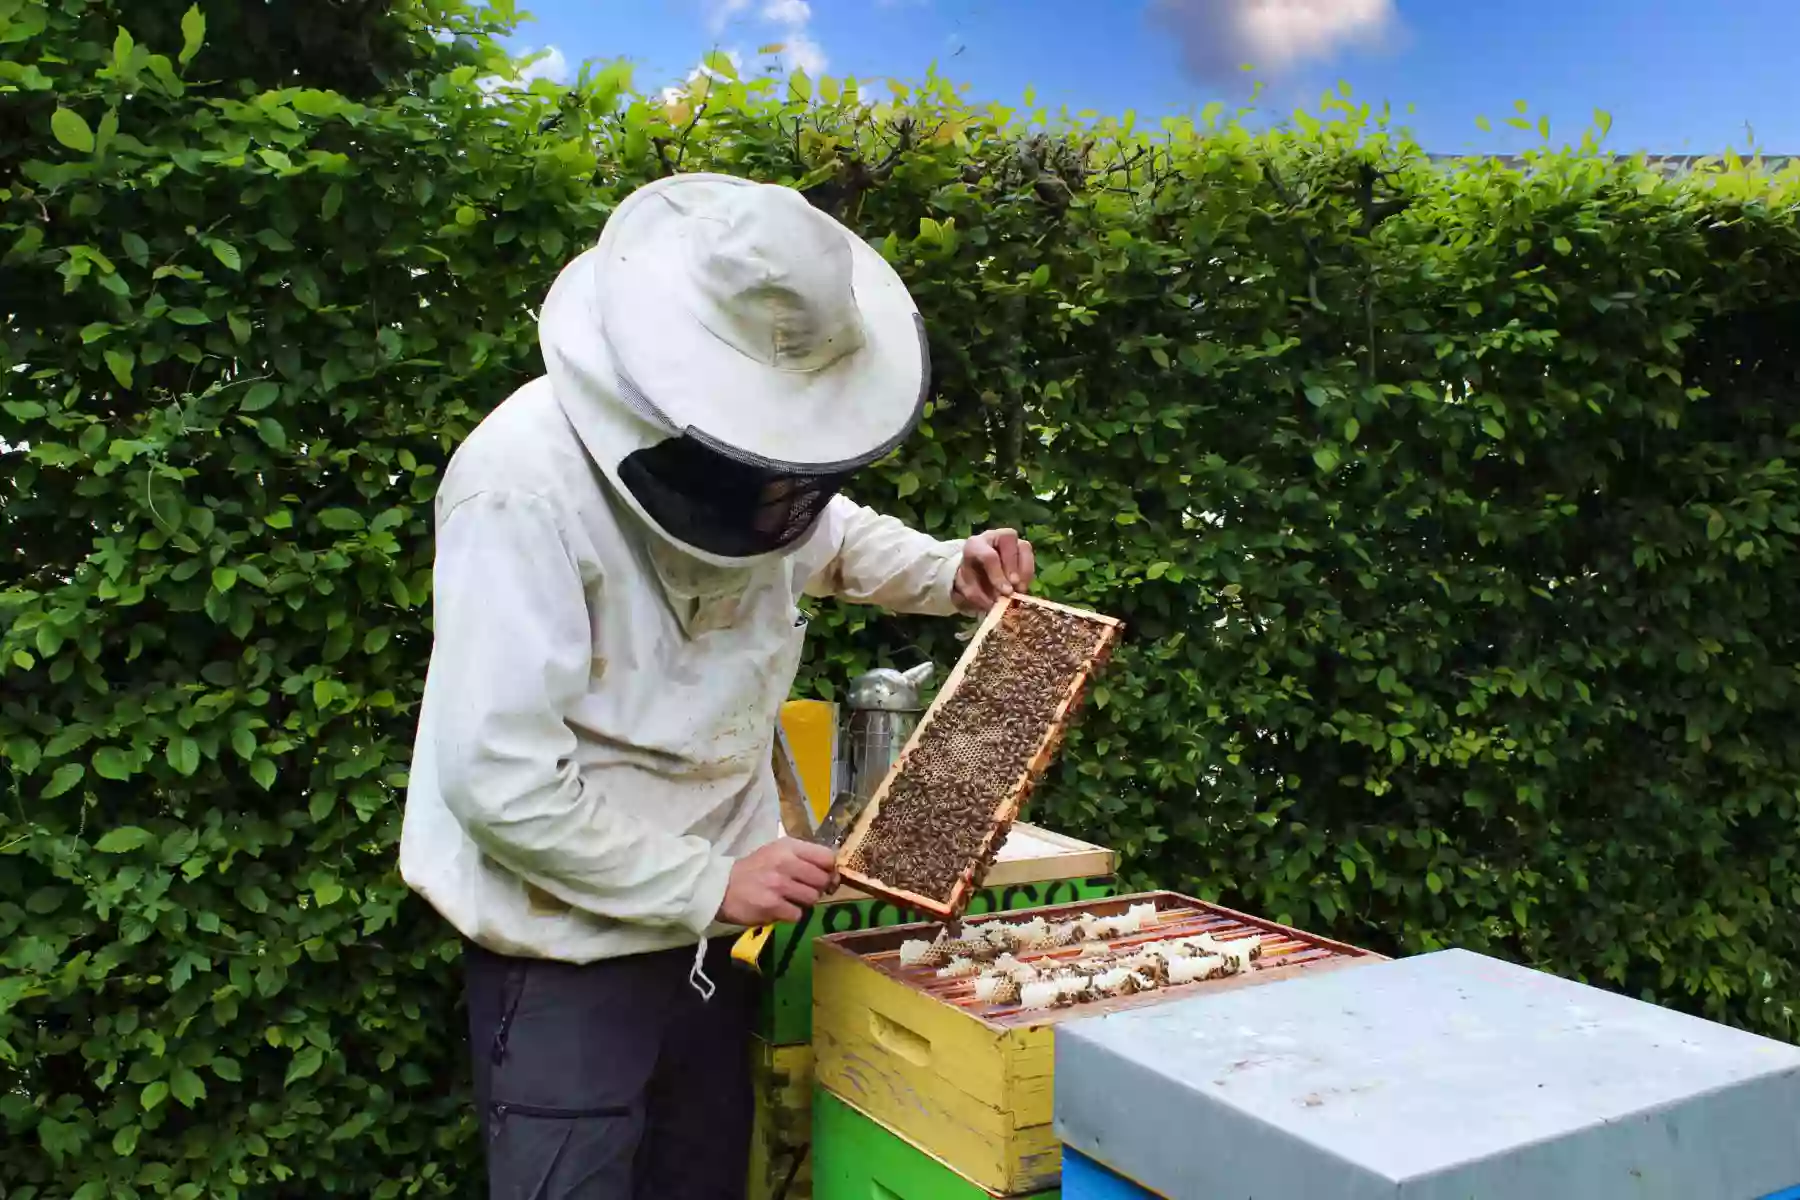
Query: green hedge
[{"x": 1451, "y": 509}]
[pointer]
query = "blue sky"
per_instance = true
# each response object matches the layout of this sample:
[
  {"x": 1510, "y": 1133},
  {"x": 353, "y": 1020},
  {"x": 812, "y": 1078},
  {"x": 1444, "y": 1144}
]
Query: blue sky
[{"x": 1678, "y": 76}]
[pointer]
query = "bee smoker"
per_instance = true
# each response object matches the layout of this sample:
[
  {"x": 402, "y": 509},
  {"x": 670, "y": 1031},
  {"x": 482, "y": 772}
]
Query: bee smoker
[{"x": 883, "y": 709}]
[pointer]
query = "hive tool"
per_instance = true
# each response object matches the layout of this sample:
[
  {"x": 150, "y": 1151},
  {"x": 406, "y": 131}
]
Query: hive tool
[{"x": 796, "y": 817}]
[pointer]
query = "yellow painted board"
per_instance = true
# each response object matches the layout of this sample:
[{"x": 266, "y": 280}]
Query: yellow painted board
[
  {"x": 975, "y": 1095},
  {"x": 979, "y": 1141},
  {"x": 782, "y": 1079},
  {"x": 811, "y": 727},
  {"x": 924, "y": 1035}
]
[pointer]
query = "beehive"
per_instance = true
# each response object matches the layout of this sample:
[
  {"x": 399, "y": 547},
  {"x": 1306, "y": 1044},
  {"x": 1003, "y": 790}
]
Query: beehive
[
  {"x": 971, "y": 1083},
  {"x": 859, "y": 1159},
  {"x": 1085, "y": 1179},
  {"x": 1438, "y": 1077},
  {"x": 1035, "y": 867},
  {"x": 937, "y": 821}
]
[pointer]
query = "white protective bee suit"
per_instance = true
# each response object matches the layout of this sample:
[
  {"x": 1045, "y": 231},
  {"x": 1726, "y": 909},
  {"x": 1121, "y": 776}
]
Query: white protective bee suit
[
  {"x": 593, "y": 747},
  {"x": 622, "y": 546}
]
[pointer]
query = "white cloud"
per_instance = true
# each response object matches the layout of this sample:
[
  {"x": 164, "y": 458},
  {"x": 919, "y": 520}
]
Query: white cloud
[
  {"x": 787, "y": 12},
  {"x": 1217, "y": 37},
  {"x": 678, "y": 91},
  {"x": 800, "y": 52},
  {"x": 790, "y": 19},
  {"x": 553, "y": 66},
  {"x": 720, "y": 13},
  {"x": 787, "y": 22}
]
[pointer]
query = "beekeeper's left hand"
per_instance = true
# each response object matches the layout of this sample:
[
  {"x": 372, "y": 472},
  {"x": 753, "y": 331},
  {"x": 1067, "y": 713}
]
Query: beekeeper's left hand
[{"x": 995, "y": 564}]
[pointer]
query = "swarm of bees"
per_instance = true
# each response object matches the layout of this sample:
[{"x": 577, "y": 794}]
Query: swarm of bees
[{"x": 988, "y": 954}]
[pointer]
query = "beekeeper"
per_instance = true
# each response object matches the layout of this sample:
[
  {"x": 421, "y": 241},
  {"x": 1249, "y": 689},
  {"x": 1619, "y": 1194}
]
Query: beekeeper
[{"x": 621, "y": 549}]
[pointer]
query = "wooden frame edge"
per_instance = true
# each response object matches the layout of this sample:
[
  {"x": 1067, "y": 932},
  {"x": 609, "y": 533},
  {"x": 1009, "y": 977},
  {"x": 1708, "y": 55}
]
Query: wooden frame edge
[
  {"x": 893, "y": 895},
  {"x": 1070, "y": 610},
  {"x": 1062, "y": 841},
  {"x": 1006, "y": 812},
  {"x": 1073, "y": 859}
]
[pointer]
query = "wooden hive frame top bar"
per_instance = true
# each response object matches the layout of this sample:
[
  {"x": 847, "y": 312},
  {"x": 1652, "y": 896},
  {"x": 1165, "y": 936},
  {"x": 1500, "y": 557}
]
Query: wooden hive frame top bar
[
  {"x": 1287, "y": 953},
  {"x": 1107, "y": 632}
]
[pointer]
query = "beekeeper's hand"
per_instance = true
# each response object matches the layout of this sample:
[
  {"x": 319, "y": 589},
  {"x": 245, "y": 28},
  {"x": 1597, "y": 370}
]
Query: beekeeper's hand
[
  {"x": 775, "y": 882},
  {"x": 995, "y": 564}
]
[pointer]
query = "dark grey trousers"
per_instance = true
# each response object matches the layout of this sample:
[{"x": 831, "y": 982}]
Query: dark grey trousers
[{"x": 614, "y": 1080}]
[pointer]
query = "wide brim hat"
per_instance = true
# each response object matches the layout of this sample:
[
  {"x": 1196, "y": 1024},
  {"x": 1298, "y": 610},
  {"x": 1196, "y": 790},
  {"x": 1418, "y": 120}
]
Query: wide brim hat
[{"x": 737, "y": 315}]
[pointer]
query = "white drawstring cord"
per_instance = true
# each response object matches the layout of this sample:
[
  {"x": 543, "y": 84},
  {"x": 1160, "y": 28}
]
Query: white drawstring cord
[{"x": 697, "y": 977}]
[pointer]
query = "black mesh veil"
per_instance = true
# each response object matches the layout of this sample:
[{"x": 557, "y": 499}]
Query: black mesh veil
[
  {"x": 733, "y": 503},
  {"x": 723, "y": 506}
]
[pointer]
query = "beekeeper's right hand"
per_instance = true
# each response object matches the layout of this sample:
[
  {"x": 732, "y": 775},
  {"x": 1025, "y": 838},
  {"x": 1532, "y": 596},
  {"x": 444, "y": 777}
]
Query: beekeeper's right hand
[{"x": 776, "y": 882}]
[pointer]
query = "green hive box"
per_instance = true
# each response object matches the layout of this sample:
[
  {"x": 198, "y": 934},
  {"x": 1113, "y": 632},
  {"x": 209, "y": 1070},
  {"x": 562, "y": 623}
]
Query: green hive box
[
  {"x": 1035, "y": 868},
  {"x": 857, "y": 1158}
]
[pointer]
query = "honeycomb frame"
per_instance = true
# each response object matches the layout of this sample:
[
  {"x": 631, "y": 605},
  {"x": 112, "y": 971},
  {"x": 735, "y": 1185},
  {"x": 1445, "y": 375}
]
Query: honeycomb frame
[{"x": 1006, "y": 810}]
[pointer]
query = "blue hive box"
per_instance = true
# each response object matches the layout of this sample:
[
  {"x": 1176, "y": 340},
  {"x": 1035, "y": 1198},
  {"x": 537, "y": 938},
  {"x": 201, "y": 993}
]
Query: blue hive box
[
  {"x": 1449, "y": 1076},
  {"x": 1085, "y": 1179}
]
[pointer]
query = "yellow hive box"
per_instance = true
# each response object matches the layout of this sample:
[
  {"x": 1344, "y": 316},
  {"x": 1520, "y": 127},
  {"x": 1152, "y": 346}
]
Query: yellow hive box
[
  {"x": 781, "y": 1137},
  {"x": 1035, "y": 867},
  {"x": 975, "y": 1097},
  {"x": 974, "y": 1092}
]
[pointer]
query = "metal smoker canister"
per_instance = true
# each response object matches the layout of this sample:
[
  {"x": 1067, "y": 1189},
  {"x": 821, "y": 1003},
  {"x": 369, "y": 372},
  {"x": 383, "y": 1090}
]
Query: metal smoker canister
[{"x": 884, "y": 707}]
